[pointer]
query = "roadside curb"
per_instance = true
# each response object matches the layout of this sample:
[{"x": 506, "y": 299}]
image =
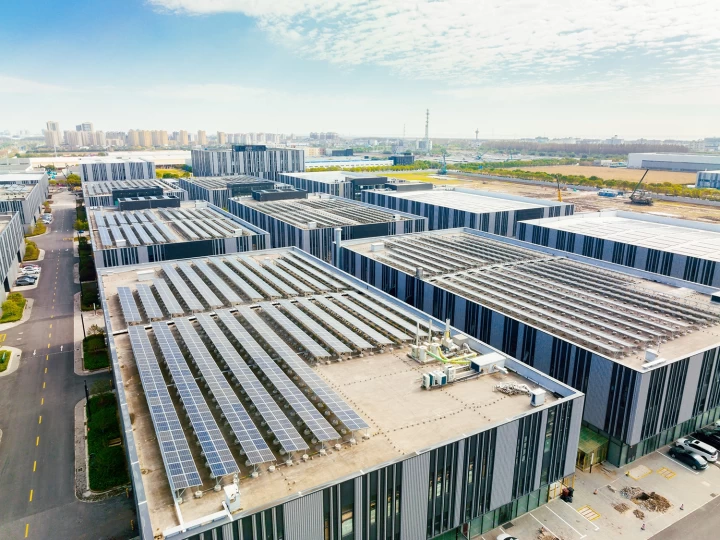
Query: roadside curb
[
  {"x": 41, "y": 256},
  {"x": 78, "y": 367},
  {"x": 27, "y": 313},
  {"x": 15, "y": 356}
]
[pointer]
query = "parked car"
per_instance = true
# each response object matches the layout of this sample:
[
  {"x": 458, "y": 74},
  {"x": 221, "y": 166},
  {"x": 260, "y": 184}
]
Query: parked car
[
  {"x": 700, "y": 448},
  {"x": 708, "y": 436},
  {"x": 30, "y": 271},
  {"x": 30, "y": 265},
  {"x": 506, "y": 536},
  {"x": 689, "y": 458},
  {"x": 24, "y": 281},
  {"x": 29, "y": 268}
]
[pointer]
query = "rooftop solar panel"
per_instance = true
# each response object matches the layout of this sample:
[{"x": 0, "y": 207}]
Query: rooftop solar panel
[
  {"x": 357, "y": 323},
  {"x": 159, "y": 238},
  {"x": 212, "y": 300},
  {"x": 130, "y": 217},
  {"x": 189, "y": 233},
  {"x": 183, "y": 290},
  {"x": 318, "y": 386},
  {"x": 314, "y": 271},
  {"x": 267, "y": 276},
  {"x": 150, "y": 305},
  {"x": 120, "y": 219},
  {"x": 255, "y": 448},
  {"x": 215, "y": 449},
  {"x": 140, "y": 231},
  {"x": 172, "y": 306},
  {"x": 297, "y": 333},
  {"x": 335, "y": 324},
  {"x": 296, "y": 283},
  {"x": 99, "y": 219},
  {"x": 387, "y": 313},
  {"x": 248, "y": 275},
  {"x": 320, "y": 331},
  {"x": 289, "y": 269},
  {"x": 230, "y": 295},
  {"x": 105, "y": 239},
  {"x": 179, "y": 465},
  {"x": 236, "y": 280},
  {"x": 128, "y": 305},
  {"x": 364, "y": 313},
  {"x": 130, "y": 235},
  {"x": 315, "y": 421},
  {"x": 110, "y": 219},
  {"x": 117, "y": 234}
]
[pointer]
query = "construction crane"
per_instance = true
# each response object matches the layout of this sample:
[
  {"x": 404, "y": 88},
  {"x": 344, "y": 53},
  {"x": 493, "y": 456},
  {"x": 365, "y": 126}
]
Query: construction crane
[
  {"x": 559, "y": 193},
  {"x": 640, "y": 196}
]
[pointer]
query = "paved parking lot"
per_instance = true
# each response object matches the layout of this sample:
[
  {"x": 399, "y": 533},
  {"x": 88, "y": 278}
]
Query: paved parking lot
[{"x": 594, "y": 515}]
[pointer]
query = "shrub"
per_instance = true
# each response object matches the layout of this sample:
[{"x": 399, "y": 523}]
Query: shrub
[
  {"x": 39, "y": 228},
  {"x": 107, "y": 463},
  {"x": 31, "y": 251},
  {"x": 4, "y": 360},
  {"x": 13, "y": 307}
]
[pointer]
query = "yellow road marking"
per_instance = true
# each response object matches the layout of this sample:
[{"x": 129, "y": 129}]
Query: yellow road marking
[
  {"x": 31, "y": 493},
  {"x": 37, "y": 441},
  {"x": 50, "y": 325},
  {"x": 34, "y": 465},
  {"x": 27, "y": 529},
  {"x": 43, "y": 384},
  {"x": 2, "y": 337},
  {"x": 47, "y": 357},
  {"x": 588, "y": 513},
  {"x": 40, "y": 419},
  {"x": 666, "y": 473},
  {"x": 42, "y": 401},
  {"x": 48, "y": 345},
  {"x": 45, "y": 370},
  {"x": 50, "y": 335}
]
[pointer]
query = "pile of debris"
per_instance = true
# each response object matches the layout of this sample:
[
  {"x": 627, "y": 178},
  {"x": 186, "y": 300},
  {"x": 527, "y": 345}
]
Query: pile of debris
[
  {"x": 652, "y": 502},
  {"x": 621, "y": 507},
  {"x": 639, "y": 514},
  {"x": 631, "y": 492}
]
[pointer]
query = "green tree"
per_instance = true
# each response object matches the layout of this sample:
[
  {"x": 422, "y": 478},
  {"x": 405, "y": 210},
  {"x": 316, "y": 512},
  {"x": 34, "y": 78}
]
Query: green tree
[{"x": 73, "y": 180}]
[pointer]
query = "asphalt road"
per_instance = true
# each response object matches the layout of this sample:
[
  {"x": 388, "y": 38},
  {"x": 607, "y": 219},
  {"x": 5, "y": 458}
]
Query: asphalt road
[
  {"x": 702, "y": 523},
  {"x": 37, "y": 460}
]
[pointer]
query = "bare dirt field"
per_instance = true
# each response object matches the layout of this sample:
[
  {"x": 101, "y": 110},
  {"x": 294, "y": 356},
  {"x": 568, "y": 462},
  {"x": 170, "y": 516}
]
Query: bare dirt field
[
  {"x": 606, "y": 173},
  {"x": 584, "y": 201}
]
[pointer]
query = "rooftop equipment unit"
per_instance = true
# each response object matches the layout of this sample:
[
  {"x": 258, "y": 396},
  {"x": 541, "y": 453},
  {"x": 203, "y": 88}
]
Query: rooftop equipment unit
[{"x": 537, "y": 397}]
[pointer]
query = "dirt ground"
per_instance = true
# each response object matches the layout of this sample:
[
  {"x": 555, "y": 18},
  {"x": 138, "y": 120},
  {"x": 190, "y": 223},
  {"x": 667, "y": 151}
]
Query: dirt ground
[
  {"x": 606, "y": 173},
  {"x": 584, "y": 201}
]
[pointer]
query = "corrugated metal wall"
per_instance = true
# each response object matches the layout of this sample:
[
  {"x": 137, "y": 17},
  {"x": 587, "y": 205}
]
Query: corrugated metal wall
[
  {"x": 504, "y": 466},
  {"x": 304, "y": 517},
  {"x": 413, "y": 504}
]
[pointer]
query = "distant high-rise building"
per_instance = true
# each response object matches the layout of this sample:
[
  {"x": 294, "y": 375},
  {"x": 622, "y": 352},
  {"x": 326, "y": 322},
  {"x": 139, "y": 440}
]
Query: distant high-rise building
[
  {"x": 85, "y": 126},
  {"x": 116, "y": 135},
  {"x": 133, "y": 138},
  {"x": 202, "y": 137},
  {"x": 74, "y": 139},
  {"x": 159, "y": 138},
  {"x": 53, "y": 126},
  {"x": 183, "y": 139},
  {"x": 52, "y": 134},
  {"x": 145, "y": 137},
  {"x": 100, "y": 139},
  {"x": 222, "y": 138}
]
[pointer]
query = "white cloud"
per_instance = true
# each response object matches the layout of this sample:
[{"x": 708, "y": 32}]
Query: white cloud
[
  {"x": 471, "y": 41},
  {"x": 15, "y": 85}
]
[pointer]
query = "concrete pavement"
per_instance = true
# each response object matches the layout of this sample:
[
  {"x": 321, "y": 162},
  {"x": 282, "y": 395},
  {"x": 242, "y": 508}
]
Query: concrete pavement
[{"x": 37, "y": 499}]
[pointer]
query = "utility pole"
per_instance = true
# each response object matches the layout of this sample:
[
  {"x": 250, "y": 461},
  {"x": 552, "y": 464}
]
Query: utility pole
[{"x": 427, "y": 132}]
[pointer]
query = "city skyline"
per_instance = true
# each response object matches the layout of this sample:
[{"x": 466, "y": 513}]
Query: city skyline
[{"x": 588, "y": 71}]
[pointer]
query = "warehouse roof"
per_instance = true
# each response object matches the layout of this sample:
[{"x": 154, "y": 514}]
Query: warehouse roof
[
  {"x": 469, "y": 200},
  {"x": 617, "y": 315},
  {"x": 15, "y": 191},
  {"x": 97, "y": 189},
  {"x": 25, "y": 176},
  {"x": 681, "y": 236},
  {"x": 331, "y": 177},
  {"x": 322, "y": 211},
  {"x": 235, "y": 314},
  {"x": 222, "y": 182},
  {"x": 190, "y": 222}
]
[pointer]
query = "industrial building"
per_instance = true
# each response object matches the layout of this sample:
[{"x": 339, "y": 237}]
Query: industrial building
[
  {"x": 107, "y": 168},
  {"x": 345, "y": 163},
  {"x": 218, "y": 189},
  {"x": 309, "y": 221},
  {"x": 195, "y": 229},
  {"x": 708, "y": 179},
  {"x": 643, "y": 348},
  {"x": 28, "y": 178},
  {"x": 25, "y": 199},
  {"x": 403, "y": 159},
  {"x": 339, "y": 183},
  {"x": 680, "y": 248},
  {"x": 674, "y": 162},
  {"x": 12, "y": 250},
  {"x": 255, "y": 391},
  {"x": 252, "y": 160},
  {"x": 449, "y": 207},
  {"x": 108, "y": 193}
]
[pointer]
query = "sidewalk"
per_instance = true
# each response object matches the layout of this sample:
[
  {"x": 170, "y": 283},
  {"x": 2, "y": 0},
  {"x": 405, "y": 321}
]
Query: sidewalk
[{"x": 89, "y": 319}]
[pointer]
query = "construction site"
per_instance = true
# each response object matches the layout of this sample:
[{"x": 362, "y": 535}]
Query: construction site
[{"x": 256, "y": 384}]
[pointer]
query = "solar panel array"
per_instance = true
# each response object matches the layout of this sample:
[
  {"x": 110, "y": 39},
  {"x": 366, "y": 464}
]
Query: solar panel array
[
  {"x": 314, "y": 420},
  {"x": 236, "y": 280},
  {"x": 217, "y": 282},
  {"x": 214, "y": 448},
  {"x": 297, "y": 334},
  {"x": 172, "y": 306},
  {"x": 328, "y": 396},
  {"x": 282, "y": 429},
  {"x": 268, "y": 289},
  {"x": 147, "y": 299},
  {"x": 128, "y": 305},
  {"x": 210, "y": 298},
  {"x": 320, "y": 331},
  {"x": 254, "y": 266},
  {"x": 371, "y": 317},
  {"x": 332, "y": 322},
  {"x": 179, "y": 464},
  {"x": 252, "y": 443},
  {"x": 184, "y": 291},
  {"x": 357, "y": 323}
]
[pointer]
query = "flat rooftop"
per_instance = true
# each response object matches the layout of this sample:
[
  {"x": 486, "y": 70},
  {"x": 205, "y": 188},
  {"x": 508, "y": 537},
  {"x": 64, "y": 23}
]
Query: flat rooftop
[
  {"x": 15, "y": 191},
  {"x": 324, "y": 211},
  {"x": 222, "y": 182},
  {"x": 114, "y": 159},
  {"x": 614, "y": 314},
  {"x": 97, "y": 189},
  {"x": 16, "y": 177},
  {"x": 190, "y": 222},
  {"x": 684, "y": 237},
  {"x": 244, "y": 323},
  {"x": 329, "y": 177},
  {"x": 469, "y": 200}
]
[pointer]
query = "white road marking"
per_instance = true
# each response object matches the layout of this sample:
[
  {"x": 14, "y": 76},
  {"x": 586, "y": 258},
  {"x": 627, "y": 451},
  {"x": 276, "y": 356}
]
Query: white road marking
[
  {"x": 566, "y": 523},
  {"x": 586, "y": 519},
  {"x": 541, "y": 523},
  {"x": 676, "y": 462}
]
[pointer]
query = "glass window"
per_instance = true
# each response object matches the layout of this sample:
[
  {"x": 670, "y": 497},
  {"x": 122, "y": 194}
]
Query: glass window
[{"x": 347, "y": 502}]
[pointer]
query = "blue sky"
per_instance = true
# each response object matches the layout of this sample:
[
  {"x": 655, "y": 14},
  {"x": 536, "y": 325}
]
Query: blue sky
[{"x": 635, "y": 68}]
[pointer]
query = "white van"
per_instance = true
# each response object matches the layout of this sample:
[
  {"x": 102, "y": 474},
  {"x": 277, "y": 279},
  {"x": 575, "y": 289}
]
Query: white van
[{"x": 699, "y": 448}]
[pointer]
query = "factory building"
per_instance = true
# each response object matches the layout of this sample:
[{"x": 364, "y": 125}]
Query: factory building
[
  {"x": 252, "y": 160},
  {"x": 339, "y": 183},
  {"x": 217, "y": 190},
  {"x": 29, "y": 177},
  {"x": 107, "y": 168},
  {"x": 108, "y": 193},
  {"x": 282, "y": 371},
  {"x": 25, "y": 199},
  {"x": 708, "y": 179},
  {"x": 12, "y": 250},
  {"x": 679, "y": 248},
  {"x": 446, "y": 208},
  {"x": 643, "y": 348},
  {"x": 309, "y": 221},
  {"x": 674, "y": 162},
  {"x": 195, "y": 229}
]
